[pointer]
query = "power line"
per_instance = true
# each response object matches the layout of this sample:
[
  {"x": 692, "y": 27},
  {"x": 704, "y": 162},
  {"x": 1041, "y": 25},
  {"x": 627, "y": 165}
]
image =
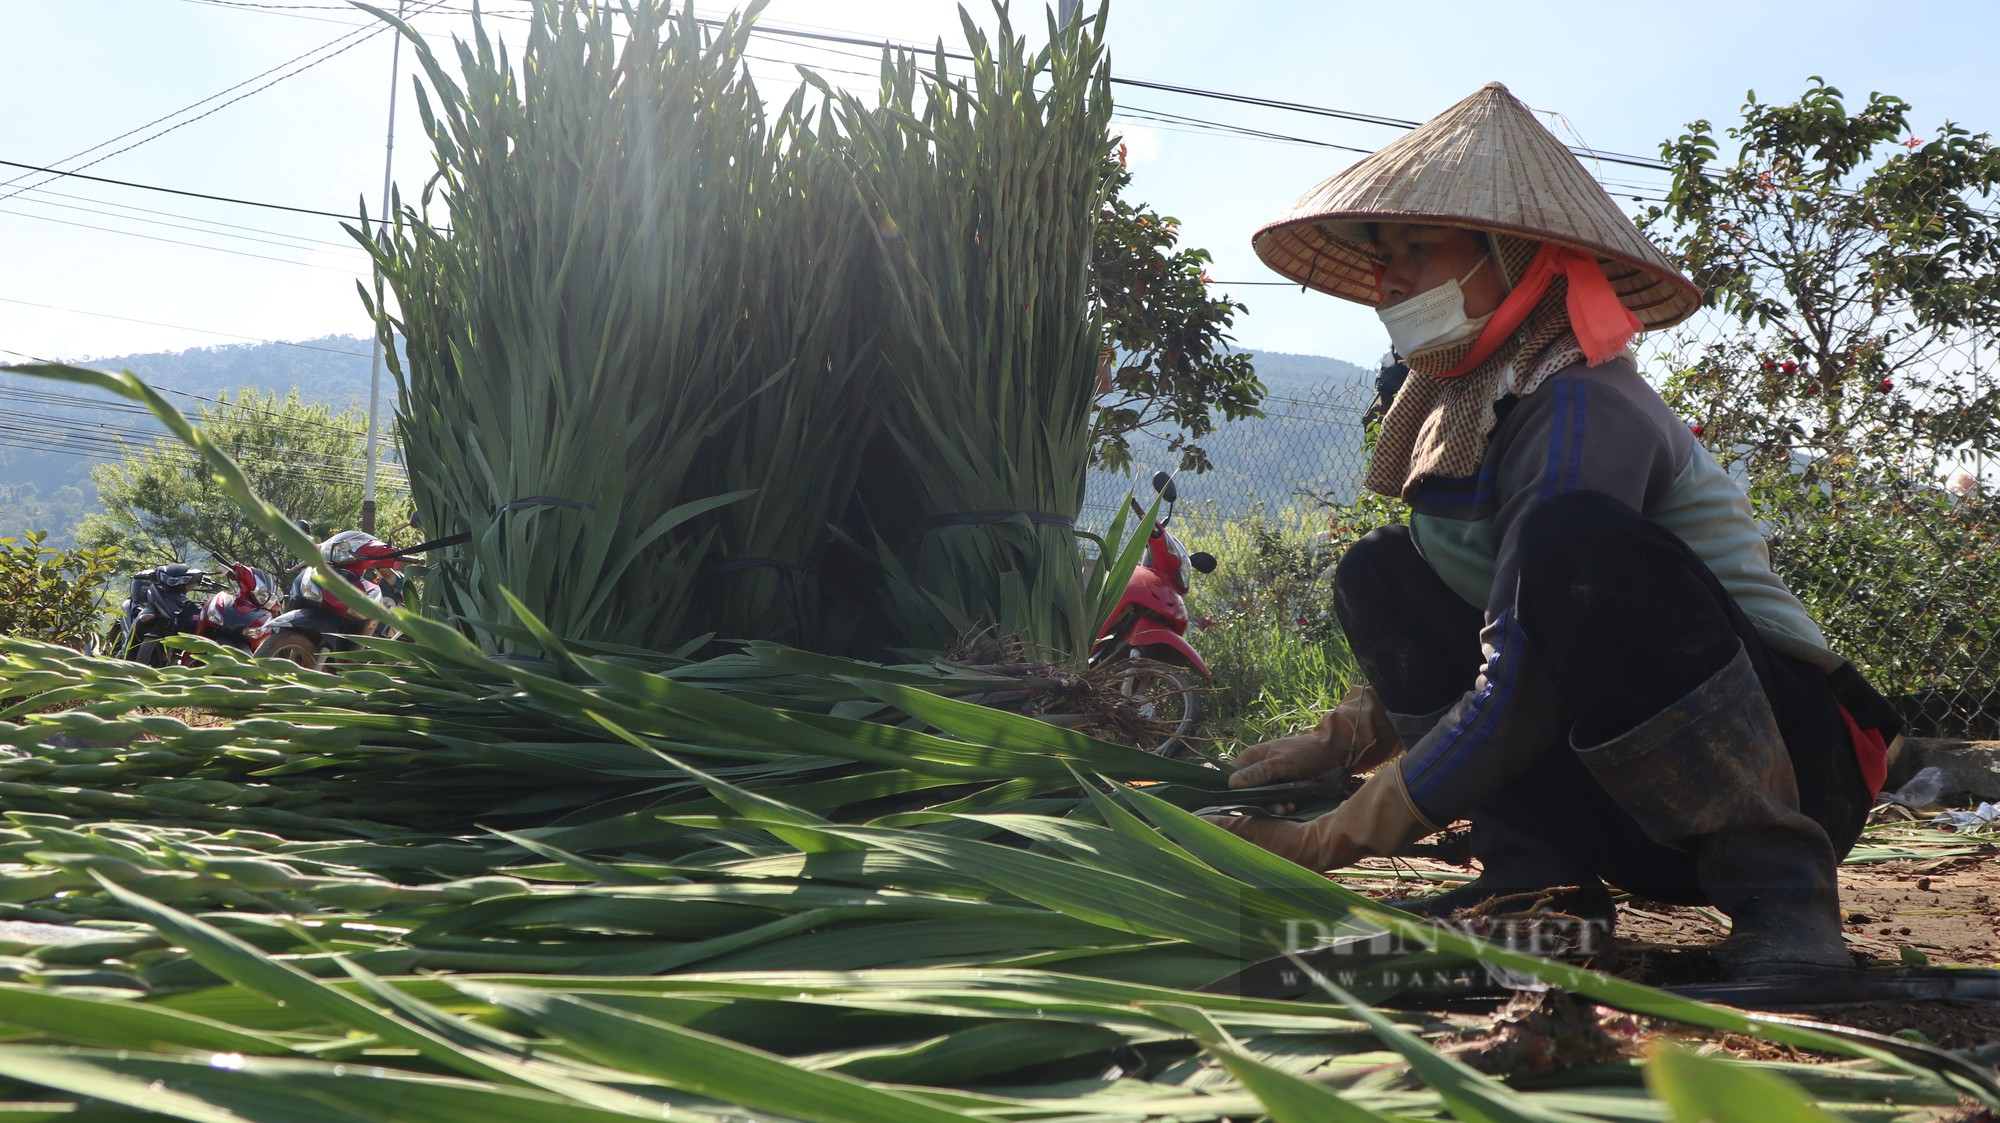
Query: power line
[
  {"x": 184, "y": 327},
  {"x": 42, "y": 192},
  {"x": 58, "y": 400},
  {"x": 1137, "y": 83},
  {"x": 177, "y": 191},
  {"x": 176, "y": 241},
  {"x": 70, "y": 401},
  {"x": 289, "y": 245},
  {"x": 178, "y": 112},
  {"x": 1190, "y": 91},
  {"x": 440, "y": 5},
  {"x": 185, "y": 109},
  {"x": 123, "y": 445},
  {"x": 364, "y": 34},
  {"x": 113, "y": 443},
  {"x": 281, "y": 10},
  {"x": 1217, "y": 126}
]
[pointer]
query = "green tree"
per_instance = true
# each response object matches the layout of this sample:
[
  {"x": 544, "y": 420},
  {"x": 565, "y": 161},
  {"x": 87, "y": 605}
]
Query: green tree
[
  {"x": 56, "y": 596},
  {"x": 57, "y": 510},
  {"x": 1854, "y": 270},
  {"x": 1166, "y": 344},
  {"x": 1857, "y": 264},
  {"x": 306, "y": 458}
]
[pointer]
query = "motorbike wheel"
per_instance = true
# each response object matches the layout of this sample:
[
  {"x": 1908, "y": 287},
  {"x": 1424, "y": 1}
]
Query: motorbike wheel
[
  {"x": 147, "y": 650},
  {"x": 294, "y": 646},
  {"x": 1168, "y": 700}
]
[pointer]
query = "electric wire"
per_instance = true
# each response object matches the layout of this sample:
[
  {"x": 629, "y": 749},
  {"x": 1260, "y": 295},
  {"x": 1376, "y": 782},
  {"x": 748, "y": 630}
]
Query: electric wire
[
  {"x": 280, "y": 10},
  {"x": 100, "y": 441},
  {"x": 178, "y": 242},
  {"x": 41, "y": 193},
  {"x": 181, "y": 327},
  {"x": 267, "y": 461},
  {"x": 111, "y": 443},
  {"x": 818, "y": 41},
  {"x": 56, "y": 399},
  {"x": 39, "y": 201},
  {"x": 52, "y": 435},
  {"x": 828, "y": 36},
  {"x": 360, "y": 36},
  {"x": 60, "y": 174},
  {"x": 48, "y": 400},
  {"x": 184, "y": 109}
]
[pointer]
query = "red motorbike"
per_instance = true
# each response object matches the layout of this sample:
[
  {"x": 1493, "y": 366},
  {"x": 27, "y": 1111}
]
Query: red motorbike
[
  {"x": 160, "y": 607},
  {"x": 241, "y": 618},
  {"x": 316, "y": 621},
  {"x": 1147, "y": 631}
]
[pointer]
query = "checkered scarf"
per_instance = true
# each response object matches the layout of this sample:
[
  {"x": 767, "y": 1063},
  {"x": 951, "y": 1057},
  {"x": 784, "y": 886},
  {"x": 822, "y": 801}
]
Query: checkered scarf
[{"x": 1438, "y": 427}]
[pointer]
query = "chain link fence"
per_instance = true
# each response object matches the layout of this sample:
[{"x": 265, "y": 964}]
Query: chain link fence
[
  {"x": 1897, "y": 554},
  {"x": 1880, "y": 512},
  {"x": 1306, "y": 449}
]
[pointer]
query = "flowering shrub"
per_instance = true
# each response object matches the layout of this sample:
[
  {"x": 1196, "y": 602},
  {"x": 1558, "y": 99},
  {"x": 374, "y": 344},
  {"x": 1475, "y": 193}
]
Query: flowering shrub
[{"x": 1845, "y": 372}]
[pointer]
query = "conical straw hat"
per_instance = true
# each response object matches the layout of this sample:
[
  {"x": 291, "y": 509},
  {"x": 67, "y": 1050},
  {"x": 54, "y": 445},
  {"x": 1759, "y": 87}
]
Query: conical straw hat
[{"x": 1484, "y": 164}]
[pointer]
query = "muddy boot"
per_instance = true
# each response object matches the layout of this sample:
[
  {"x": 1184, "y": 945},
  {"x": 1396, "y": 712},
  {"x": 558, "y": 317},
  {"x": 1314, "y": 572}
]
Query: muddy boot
[
  {"x": 1710, "y": 775},
  {"x": 1515, "y": 861}
]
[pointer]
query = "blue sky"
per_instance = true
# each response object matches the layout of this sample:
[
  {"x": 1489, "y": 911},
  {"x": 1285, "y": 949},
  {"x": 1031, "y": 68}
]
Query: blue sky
[{"x": 1614, "y": 77}]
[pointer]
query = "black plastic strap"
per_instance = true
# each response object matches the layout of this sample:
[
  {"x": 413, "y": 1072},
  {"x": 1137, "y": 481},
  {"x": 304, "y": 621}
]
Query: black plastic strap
[
  {"x": 531, "y": 502},
  {"x": 544, "y": 501},
  {"x": 982, "y": 518},
  {"x": 738, "y": 565},
  {"x": 437, "y": 543}
]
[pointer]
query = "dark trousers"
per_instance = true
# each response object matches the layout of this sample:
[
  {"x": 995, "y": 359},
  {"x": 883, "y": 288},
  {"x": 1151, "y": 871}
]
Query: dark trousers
[{"x": 1624, "y": 620}]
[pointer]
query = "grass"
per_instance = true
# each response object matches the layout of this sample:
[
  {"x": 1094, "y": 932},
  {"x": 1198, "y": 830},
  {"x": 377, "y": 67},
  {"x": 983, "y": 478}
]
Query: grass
[{"x": 1264, "y": 621}]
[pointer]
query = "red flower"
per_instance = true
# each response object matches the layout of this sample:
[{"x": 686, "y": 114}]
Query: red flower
[
  {"x": 1121, "y": 154},
  {"x": 1913, "y": 142},
  {"x": 1789, "y": 367},
  {"x": 1697, "y": 430},
  {"x": 1809, "y": 388},
  {"x": 1301, "y": 621},
  {"x": 1888, "y": 385},
  {"x": 1205, "y": 623}
]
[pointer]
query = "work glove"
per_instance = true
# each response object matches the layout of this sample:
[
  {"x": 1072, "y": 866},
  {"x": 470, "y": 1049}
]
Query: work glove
[
  {"x": 1380, "y": 819},
  {"x": 1355, "y": 737}
]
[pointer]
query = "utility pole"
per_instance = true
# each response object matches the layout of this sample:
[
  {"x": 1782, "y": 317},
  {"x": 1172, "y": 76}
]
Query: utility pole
[
  {"x": 1066, "y": 11},
  {"x": 375, "y": 364}
]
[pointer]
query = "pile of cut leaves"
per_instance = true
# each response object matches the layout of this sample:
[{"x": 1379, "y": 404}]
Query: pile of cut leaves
[
  {"x": 440, "y": 886},
  {"x": 602, "y": 883}
]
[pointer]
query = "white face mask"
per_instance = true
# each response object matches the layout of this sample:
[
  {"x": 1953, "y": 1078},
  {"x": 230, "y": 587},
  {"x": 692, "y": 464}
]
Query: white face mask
[{"x": 1432, "y": 317}]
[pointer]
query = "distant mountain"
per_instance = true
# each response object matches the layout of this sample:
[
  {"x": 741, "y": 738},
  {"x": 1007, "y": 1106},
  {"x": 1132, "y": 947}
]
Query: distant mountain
[
  {"x": 52, "y": 433},
  {"x": 1281, "y": 372},
  {"x": 332, "y": 369},
  {"x": 1308, "y": 443}
]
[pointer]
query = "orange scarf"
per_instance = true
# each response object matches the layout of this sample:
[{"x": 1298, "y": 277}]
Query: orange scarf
[{"x": 1603, "y": 325}]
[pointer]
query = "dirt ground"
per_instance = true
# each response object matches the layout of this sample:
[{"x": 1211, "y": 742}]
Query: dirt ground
[
  {"x": 1942, "y": 909},
  {"x": 1908, "y": 906}
]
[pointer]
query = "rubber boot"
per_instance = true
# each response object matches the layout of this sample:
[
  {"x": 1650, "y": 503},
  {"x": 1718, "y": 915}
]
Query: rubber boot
[
  {"x": 1710, "y": 775},
  {"x": 1515, "y": 861}
]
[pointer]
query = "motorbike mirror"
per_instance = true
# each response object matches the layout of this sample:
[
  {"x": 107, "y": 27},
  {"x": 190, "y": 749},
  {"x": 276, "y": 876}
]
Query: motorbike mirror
[
  {"x": 1164, "y": 484},
  {"x": 1202, "y": 561}
]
